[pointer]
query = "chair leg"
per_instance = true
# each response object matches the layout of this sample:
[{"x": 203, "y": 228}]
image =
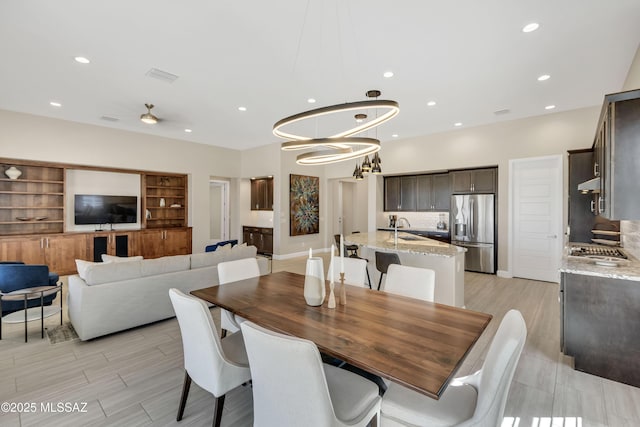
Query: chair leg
[
  {"x": 380, "y": 281},
  {"x": 368, "y": 278},
  {"x": 185, "y": 392},
  {"x": 219, "y": 405},
  {"x": 375, "y": 421}
]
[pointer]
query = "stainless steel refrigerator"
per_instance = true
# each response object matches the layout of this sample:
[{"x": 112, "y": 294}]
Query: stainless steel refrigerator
[{"x": 472, "y": 226}]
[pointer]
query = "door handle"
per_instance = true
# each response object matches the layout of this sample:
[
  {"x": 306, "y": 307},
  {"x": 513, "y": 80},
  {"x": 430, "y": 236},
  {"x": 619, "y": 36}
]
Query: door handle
[
  {"x": 593, "y": 206},
  {"x": 600, "y": 204}
]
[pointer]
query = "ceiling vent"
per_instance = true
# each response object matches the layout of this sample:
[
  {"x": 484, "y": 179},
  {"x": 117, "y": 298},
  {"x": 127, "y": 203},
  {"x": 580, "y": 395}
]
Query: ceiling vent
[
  {"x": 502, "y": 112},
  {"x": 161, "y": 75},
  {"x": 109, "y": 119}
]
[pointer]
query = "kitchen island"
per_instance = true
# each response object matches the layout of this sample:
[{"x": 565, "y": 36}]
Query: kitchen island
[
  {"x": 600, "y": 316},
  {"x": 416, "y": 251}
]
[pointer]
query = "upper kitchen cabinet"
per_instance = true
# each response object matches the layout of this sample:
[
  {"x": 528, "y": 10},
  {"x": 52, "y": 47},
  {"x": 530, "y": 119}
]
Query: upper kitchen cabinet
[
  {"x": 619, "y": 139},
  {"x": 433, "y": 192},
  {"x": 262, "y": 194},
  {"x": 400, "y": 193},
  {"x": 474, "y": 180}
]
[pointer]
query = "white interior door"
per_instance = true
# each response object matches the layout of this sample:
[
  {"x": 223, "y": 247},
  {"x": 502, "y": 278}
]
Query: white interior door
[
  {"x": 536, "y": 217},
  {"x": 219, "y": 210},
  {"x": 348, "y": 198}
]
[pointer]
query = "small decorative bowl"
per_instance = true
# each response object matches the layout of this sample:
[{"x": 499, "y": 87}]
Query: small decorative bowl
[{"x": 24, "y": 218}]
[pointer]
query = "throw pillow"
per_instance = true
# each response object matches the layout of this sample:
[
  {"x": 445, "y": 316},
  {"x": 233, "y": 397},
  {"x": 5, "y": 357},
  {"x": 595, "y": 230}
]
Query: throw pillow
[
  {"x": 111, "y": 258},
  {"x": 82, "y": 265}
]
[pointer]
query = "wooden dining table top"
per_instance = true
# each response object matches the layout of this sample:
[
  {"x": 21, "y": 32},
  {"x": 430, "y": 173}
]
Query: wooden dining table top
[{"x": 412, "y": 342}]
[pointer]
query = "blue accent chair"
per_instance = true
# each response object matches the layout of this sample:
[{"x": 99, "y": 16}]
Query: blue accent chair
[
  {"x": 14, "y": 276},
  {"x": 212, "y": 248}
]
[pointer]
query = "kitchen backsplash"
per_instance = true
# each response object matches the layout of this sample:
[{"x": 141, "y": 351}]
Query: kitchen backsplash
[
  {"x": 630, "y": 234},
  {"x": 425, "y": 220}
]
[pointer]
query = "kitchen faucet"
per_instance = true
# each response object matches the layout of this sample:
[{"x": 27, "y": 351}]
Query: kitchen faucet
[{"x": 395, "y": 238}]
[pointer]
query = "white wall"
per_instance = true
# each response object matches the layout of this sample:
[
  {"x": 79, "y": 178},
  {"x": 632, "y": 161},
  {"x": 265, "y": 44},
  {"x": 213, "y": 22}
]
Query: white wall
[{"x": 24, "y": 136}]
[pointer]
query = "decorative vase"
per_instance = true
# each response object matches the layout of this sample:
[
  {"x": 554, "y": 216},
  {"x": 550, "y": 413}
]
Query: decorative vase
[
  {"x": 13, "y": 172},
  {"x": 162, "y": 202},
  {"x": 314, "y": 287}
]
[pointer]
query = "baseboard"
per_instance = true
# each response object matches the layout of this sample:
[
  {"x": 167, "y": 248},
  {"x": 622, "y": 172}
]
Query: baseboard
[{"x": 504, "y": 273}]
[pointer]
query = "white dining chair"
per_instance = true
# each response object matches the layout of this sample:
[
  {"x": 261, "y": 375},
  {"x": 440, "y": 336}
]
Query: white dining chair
[
  {"x": 414, "y": 282},
  {"x": 355, "y": 271},
  {"x": 232, "y": 271},
  {"x": 475, "y": 400},
  {"x": 217, "y": 365},
  {"x": 292, "y": 387}
]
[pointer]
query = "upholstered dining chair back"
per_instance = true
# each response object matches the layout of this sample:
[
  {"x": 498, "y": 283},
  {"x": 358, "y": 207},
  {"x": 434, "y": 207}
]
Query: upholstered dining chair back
[
  {"x": 355, "y": 270},
  {"x": 498, "y": 369},
  {"x": 292, "y": 387},
  {"x": 232, "y": 271},
  {"x": 204, "y": 358},
  {"x": 410, "y": 281}
]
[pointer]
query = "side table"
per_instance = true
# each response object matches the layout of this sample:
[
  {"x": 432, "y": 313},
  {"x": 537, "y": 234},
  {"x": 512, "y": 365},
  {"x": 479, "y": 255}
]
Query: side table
[{"x": 33, "y": 313}]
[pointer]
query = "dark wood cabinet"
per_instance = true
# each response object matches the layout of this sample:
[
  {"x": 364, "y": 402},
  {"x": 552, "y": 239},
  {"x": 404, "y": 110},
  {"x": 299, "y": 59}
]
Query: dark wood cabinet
[
  {"x": 260, "y": 237},
  {"x": 400, "y": 193},
  {"x": 433, "y": 192},
  {"x": 599, "y": 325},
  {"x": 392, "y": 193},
  {"x": 262, "y": 194},
  {"x": 58, "y": 251},
  {"x": 408, "y": 194},
  {"x": 474, "y": 180},
  {"x": 581, "y": 206}
]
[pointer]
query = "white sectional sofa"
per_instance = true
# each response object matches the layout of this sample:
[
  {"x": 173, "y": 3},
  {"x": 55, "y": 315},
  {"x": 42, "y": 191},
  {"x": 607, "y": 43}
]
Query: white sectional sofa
[{"x": 109, "y": 297}]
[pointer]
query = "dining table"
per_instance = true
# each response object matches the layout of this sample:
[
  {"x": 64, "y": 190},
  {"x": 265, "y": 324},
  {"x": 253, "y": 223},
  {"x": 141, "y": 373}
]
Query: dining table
[{"x": 412, "y": 342}]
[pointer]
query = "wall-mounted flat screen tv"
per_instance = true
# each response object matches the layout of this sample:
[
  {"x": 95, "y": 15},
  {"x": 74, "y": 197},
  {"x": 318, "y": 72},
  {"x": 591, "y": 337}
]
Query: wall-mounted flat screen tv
[{"x": 102, "y": 209}]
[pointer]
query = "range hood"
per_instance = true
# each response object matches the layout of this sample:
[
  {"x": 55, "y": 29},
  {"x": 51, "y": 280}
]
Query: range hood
[{"x": 590, "y": 186}]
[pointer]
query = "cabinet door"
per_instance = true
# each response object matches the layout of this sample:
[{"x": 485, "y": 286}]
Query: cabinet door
[
  {"x": 441, "y": 192},
  {"x": 267, "y": 243},
  {"x": 392, "y": 193},
  {"x": 268, "y": 194},
  {"x": 255, "y": 196},
  {"x": 29, "y": 250},
  {"x": 177, "y": 241},
  {"x": 461, "y": 181},
  {"x": 408, "y": 193},
  {"x": 151, "y": 243},
  {"x": 62, "y": 252},
  {"x": 424, "y": 201},
  {"x": 483, "y": 180}
]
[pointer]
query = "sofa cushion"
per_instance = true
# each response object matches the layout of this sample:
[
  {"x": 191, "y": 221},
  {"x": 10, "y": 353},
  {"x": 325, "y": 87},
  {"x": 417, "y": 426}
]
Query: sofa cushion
[
  {"x": 112, "y": 272},
  {"x": 242, "y": 251},
  {"x": 206, "y": 259},
  {"x": 111, "y": 258},
  {"x": 167, "y": 264}
]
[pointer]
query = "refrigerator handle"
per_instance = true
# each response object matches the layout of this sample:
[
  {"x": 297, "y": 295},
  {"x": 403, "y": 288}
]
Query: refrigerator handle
[{"x": 471, "y": 218}]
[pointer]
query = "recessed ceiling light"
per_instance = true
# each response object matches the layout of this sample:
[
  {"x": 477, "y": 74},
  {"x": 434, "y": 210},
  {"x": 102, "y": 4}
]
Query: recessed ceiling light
[
  {"x": 311, "y": 100},
  {"x": 431, "y": 103},
  {"x": 188, "y": 130},
  {"x": 544, "y": 77},
  {"x": 549, "y": 107},
  {"x": 458, "y": 124},
  {"x": 530, "y": 27},
  {"x": 388, "y": 74},
  {"x": 82, "y": 59},
  {"x": 55, "y": 104},
  {"x": 242, "y": 108},
  {"x": 395, "y": 135}
]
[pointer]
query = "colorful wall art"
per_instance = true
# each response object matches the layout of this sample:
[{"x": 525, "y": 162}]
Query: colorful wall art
[{"x": 304, "y": 205}]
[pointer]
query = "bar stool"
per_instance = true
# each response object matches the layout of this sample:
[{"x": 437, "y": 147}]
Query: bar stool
[{"x": 383, "y": 261}]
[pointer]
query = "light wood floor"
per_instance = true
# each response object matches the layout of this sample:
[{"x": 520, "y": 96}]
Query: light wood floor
[{"x": 134, "y": 377}]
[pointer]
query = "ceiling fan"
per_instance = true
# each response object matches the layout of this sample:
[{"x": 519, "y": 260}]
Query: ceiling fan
[{"x": 148, "y": 117}]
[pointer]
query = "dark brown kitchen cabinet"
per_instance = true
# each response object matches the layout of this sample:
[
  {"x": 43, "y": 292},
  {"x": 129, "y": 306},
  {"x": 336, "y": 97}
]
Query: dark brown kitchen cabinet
[
  {"x": 599, "y": 325},
  {"x": 400, "y": 193},
  {"x": 620, "y": 170},
  {"x": 260, "y": 237},
  {"x": 433, "y": 192},
  {"x": 581, "y": 206},
  {"x": 474, "y": 180},
  {"x": 262, "y": 194}
]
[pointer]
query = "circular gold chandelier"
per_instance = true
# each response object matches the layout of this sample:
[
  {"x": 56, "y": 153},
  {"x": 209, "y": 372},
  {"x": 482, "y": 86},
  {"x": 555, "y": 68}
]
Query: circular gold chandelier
[{"x": 342, "y": 145}]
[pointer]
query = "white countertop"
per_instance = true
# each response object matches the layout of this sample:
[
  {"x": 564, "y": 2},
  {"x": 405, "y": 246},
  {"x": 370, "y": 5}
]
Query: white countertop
[
  {"x": 430, "y": 230},
  {"x": 626, "y": 269},
  {"x": 408, "y": 243}
]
